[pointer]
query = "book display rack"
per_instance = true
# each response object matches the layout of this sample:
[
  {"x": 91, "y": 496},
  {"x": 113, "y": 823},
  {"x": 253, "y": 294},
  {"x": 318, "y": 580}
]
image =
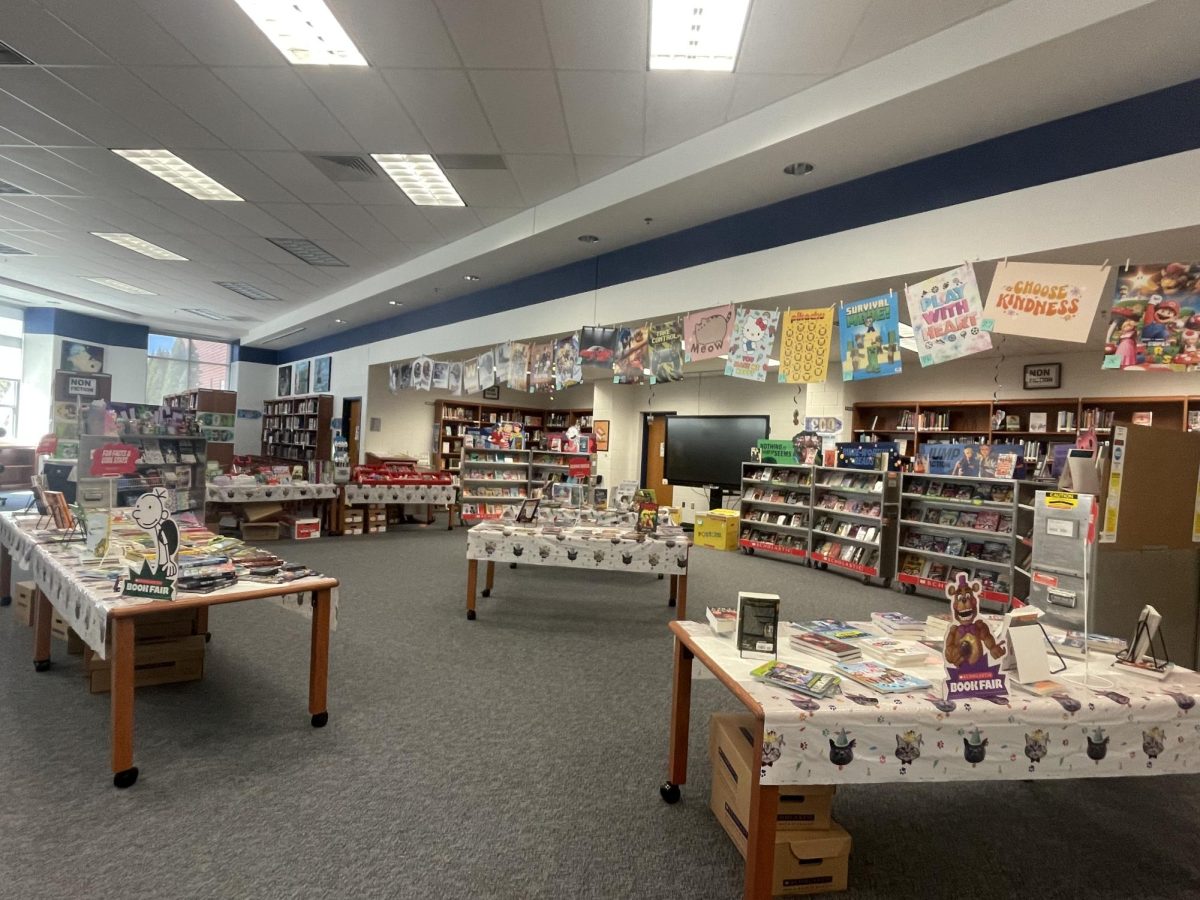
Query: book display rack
[
  {"x": 215, "y": 413},
  {"x": 491, "y": 479},
  {"x": 453, "y": 420},
  {"x": 852, "y": 515},
  {"x": 173, "y": 462},
  {"x": 776, "y": 509},
  {"x": 297, "y": 429}
]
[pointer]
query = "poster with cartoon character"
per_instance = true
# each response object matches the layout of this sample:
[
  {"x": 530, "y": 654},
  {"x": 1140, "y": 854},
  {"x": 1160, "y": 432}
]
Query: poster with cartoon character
[
  {"x": 1044, "y": 300},
  {"x": 631, "y": 354},
  {"x": 1155, "y": 319},
  {"x": 471, "y": 375},
  {"x": 869, "y": 334},
  {"x": 152, "y": 513},
  {"x": 947, "y": 316},
  {"x": 753, "y": 340},
  {"x": 971, "y": 653},
  {"x": 541, "y": 365},
  {"x": 666, "y": 351},
  {"x": 423, "y": 373},
  {"x": 85, "y": 358},
  {"x": 567, "y": 368},
  {"x": 707, "y": 333}
]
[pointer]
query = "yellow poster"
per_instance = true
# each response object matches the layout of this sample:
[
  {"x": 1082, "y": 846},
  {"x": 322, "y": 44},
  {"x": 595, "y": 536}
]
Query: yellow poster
[{"x": 804, "y": 346}]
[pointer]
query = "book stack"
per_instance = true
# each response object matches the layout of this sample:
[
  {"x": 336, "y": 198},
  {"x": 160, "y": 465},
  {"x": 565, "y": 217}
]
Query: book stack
[
  {"x": 817, "y": 685},
  {"x": 722, "y": 619},
  {"x": 834, "y": 628},
  {"x": 898, "y": 625},
  {"x": 825, "y": 647},
  {"x": 879, "y": 677},
  {"x": 895, "y": 652},
  {"x": 936, "y": 626}
]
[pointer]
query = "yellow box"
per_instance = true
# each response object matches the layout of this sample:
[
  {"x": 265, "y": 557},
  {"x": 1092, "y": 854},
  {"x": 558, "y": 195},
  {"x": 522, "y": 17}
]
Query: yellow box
[{"x": 718, "y": 529}]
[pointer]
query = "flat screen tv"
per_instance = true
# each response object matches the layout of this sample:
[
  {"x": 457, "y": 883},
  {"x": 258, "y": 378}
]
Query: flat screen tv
[{"x": 710, "y": 450}]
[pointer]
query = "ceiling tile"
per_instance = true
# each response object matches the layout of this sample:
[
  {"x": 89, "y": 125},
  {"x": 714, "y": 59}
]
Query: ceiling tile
[
  {"x": 240, "y": 174},
  {"x": 45, "y": 39},
  {"x": 605, "y": 111},
  {"x": 751, "y": 92},
  {"x": 410, "y": 33},
  {"x": 12, "y": 139},
  {"x": 681, "y": 105},
  {"x": 298, "y": 176},
  {"x": 362, "y": 102},
  {"x": 108, "y": 173},
  {"x": 217, "y": 34},
  {"x": 281, "y": 98},
  {"x": 492, "y": 216},
  {"x": 35, "y": 127},
  {"x": 252, "y": 217},
  {"x": 304, "y": 220},
  {"x": 443, "y": 106},
  {"x": 359, "y": 225},
  {"x": 542, "y": 176},
  {"x": 24, "y": 168},
  {"x": 159, "y": 216},
  {"x": 452, "y": 223},
  {"x": 610, "y": 35},
  {"x": 891, "y": 24},
  {"x": 499, "y": 34},
  {"x": 486, "y": 187},
  {"x": 524, "y": 109},
  {"x": 798, "y": 37},
  {"x": 375, "y": 193},
  {"x": 44, "y": 91},
  {"x": 406, "y": 223},
  {"x": 592, "y": 167},
  {"x": 208, "y": 100},
  {"x": 122, "y": 29}
]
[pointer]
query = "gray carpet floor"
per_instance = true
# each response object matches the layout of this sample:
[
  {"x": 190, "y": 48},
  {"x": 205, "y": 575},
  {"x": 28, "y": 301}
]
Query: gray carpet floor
[{"x": 517, "y": 756}]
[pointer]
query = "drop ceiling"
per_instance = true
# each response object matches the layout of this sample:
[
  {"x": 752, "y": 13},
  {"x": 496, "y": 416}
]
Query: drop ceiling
[{"x": 529, "y": 103}]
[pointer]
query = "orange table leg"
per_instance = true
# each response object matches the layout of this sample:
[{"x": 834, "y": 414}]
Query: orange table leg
[
  {"x": 125, "y": 773},
  {"x": 681, "y": 600},
  {"x": 202, "y": 623},
  {"x": 43, "y": 612},
  {"x": 318, "y": 660},
  {"x": 681, "y": 711},
  {"x": 472, "y": 577},
  {"x": 764, "y": 811},
  {"x": 5, "y": 577},
  {"x": 490, "y": 579},
  {"x": 674, "y": 589}
]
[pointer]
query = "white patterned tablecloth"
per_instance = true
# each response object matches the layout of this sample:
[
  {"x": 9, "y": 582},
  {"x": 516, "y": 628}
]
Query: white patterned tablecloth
[
  {"x": 579, "y": 547},
  {"x": 85, "y": 605},
  {"x": 265, "y": 493},
  {"x": 436, "y": 494},
  {"x": 1139, "y": 726}
]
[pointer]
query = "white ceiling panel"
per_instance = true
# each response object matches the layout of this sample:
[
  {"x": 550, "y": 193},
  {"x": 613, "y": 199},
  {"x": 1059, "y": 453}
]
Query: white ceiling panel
[
  {"x": 508, "y": 34},
  {"x": 85, "y": 215},
  {"x": 592, "y": 167},
  {"x": 443, "y": 105},
  {"x": 287, "y": 104},
  {"x": 34, "y": 127},
  {"x": 46, "y": 92},
  {"x": 364, "y": 104},
  {"x": 486, "y": 187},
  {"x": 219, "y": 250},
  {"x": 406, "y": 223},
  {"x": 608, "y": 36},
  {"x": 492, "y": 216},
  {"x": 409, "y": 33},
  {"x": 751, "y": 92},
  {"x": 681, "y": 105},
  {"x": 799, "y": 37},
  {"x": 304, "y": 221},
  {"x": 24, "y": 168},
  {"x": 12, "y": 139},
  {"x": 216, "y": 32},
  {"x": 253, "y": 218},
  {"x": 382, "y": 192},
  {"x": 524, "y": 110},
  {"x": 359, "y": 225},
  {"x": 122, "y": 29},
  {"x": 210, "y": 102},
  {"x": 241, "y": 174},
  {"x": 159, "y": 216},
  {"x": 298, "y": 176},
  {"x": 453, "y": 223},
  {"x": 605, "y": 111},
  {"x": 892, "y": 24},
  {"x": 45, "y": 39},
  {"x": 542, "y": 176}
]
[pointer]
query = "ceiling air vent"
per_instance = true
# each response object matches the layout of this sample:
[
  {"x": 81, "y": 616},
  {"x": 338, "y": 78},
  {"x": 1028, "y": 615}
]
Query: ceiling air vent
[
  {"x": 6, "y": 250},
  {"x": 344, "y": 167},
  {"x": 10, "y": 57}
]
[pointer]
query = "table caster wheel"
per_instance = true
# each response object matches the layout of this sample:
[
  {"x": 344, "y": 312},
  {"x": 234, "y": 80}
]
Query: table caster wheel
[
  {"x": 866, "y": 579},
  {"x": 41, "y": 665},
  {"x": 319, "y": 720},
  {"x": 5, "y": 600},
  {"x": 661, "y": 576},
  {"x": 669, "y": 792},
  {"x": 208, "y": 637},
  {"x": 471, "y": 615},
  {"x": 125, "y": 778},
  {"x": 487, "y": 592},
  {"x": 512, "y": 565}
]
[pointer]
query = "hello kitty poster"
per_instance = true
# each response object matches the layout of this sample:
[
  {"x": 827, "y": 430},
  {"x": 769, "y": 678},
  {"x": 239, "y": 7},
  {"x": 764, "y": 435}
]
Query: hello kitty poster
[{"x": 753, "y": 340}]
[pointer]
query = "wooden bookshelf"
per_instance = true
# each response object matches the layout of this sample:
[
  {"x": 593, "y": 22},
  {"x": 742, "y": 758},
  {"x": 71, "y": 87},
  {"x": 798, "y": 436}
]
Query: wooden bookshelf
[
  {"x": 452, "y": 419},
  {"x": 221, "y": 407},
  {"x": 297, "y": 429}
]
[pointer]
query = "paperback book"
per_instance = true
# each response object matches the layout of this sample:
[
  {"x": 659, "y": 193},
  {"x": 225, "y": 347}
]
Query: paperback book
[
  {"x": 881, "y": 678},
  {"x": 758, "y": 623},
  {"x": 824, "y": 646},
  {"x": 722, "y": 619},
  {"x": 797, "y": 679}
]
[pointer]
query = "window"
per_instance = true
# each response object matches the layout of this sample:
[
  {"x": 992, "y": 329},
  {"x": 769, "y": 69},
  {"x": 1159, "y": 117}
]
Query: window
[
  {"x": 177, "y": 364},
  {"x": 12, "y": 327}
]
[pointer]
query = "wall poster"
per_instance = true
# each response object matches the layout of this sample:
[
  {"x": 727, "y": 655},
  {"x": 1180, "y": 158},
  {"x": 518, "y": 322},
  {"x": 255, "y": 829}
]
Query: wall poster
[
  {"x": 869, "y": 336},
  {"x": 1044, "y": 300},
  {"x": 753, "y": 339},
  {"x": 804, "y": 345},
  {"x": 1155, "y": 319},
  {"x": 947, "y": 316},
  {"x": 707, "y": 333}
]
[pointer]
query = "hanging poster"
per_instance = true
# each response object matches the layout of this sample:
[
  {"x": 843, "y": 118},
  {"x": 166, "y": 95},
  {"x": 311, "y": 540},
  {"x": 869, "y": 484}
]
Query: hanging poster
[
  {"x": 487, "y": 370},
  {"x": 804, "y": 345},
  {"x": 753, "y": 339},
  {"x": 947, "y": 316},
  {"x": 1044, "y": 300},
  {"x": 423, "y": 373},
  {"x": 632, "y": 354},
  {"x": 706, "y": 334},
  {"x": 567, "y": 368},
  {"x": 471, "y": 375},
  {"x": 518, "y": 366},
  {"x": 596, "y": 349},
  {"x": 441, "y": 375},
  {"x": 454, "y": 376},
  {"x": 503, "y": 358},
  {"x": 1155, "y": 319},
  {"x": 666, "y": 351},
  {"x": 541, "y": 365},
  {"x": 85, "y": 358},
  {"x": 869, "y": 334}
]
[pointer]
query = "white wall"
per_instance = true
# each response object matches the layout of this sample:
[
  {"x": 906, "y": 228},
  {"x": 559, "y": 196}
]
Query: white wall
[
  {"x": 348, "y": 377},
  {"x": 254, "y": 383}
]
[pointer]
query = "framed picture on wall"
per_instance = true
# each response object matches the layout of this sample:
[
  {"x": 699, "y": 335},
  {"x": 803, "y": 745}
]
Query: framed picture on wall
[
  {"x": 322, "y": 370},
  {"x": 85, "y": 358},
  {"x": 302, "y": 377},
  {"x": 285, "y": 381},
  {"x": 600, "y": 434}
]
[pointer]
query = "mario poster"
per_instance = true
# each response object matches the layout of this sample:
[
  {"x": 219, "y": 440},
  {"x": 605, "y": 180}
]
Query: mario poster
[
  {"x": 1155, "y": 322},
  {"x": 869, "y": 333},
  {"x": 753, "y": 340}
]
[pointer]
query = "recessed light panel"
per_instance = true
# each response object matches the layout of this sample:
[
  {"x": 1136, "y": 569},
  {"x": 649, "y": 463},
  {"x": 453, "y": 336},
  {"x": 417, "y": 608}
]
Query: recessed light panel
[
  {"x": 696, "y": 34},
  {"x": 304, "y": 249},
  {"x": 247, "y": 290},
  {"x": 178, "y": 173},
  {"x": 135, "y": 243},
  {"x": 206, "y": 314},
  {"x": 120, "y": 286},
  {"x": 420, "y": 177},
  {"x": 305, "y": 31}
]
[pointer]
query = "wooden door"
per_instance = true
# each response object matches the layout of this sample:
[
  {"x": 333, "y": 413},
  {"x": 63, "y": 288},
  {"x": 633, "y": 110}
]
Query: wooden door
[
  {"x": 656, "y": 436},
  {"x": 353, "y": 416}
]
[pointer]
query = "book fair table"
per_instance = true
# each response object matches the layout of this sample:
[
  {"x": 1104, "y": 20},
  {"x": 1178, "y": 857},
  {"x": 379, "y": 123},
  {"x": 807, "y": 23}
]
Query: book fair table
[
  {"x": 319, "y": 495},
  {"x": 1127, "y": 725},
  {"x": 588, "y": 548},
  {"x": 106, "y": 621},
  {"x": 429, "y": 495}
]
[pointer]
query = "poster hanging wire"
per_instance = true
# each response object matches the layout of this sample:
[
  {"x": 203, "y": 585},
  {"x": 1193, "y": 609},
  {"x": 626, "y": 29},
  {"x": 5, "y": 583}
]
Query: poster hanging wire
[{"x": 1127, "y": 263}]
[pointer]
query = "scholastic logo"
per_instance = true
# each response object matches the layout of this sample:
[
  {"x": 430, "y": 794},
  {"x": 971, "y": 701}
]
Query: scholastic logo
[{"x": 1040, "y": 300}]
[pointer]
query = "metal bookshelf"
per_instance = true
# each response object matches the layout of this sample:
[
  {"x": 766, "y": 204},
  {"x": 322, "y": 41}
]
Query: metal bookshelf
[
  {"x": 779, "y": 497},
  {"x": 486, "y": 469},
  {"x": 853, "y": 511},
  {"x": 173, "y": 462}
]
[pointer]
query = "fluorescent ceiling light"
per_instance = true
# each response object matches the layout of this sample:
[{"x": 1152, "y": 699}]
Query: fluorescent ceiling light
[
  {"x": 302, "y": 248},
  {"x": 420, "y": 177},
  {"x": 178, "y": 173},
  {"x": 206, "y": 314},
  {"x": 135, "y": 243},
  {"x": 247, "y": 290},
  {"x": 120, "y": 286},
  {"x": 305, "y": 31},
  {"x": 696, "y": 34}
]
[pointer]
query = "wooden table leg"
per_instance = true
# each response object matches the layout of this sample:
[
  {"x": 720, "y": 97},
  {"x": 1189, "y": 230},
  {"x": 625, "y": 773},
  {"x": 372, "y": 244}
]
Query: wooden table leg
[
  {"x": 43, "y": 612},
  {"x": 449, "y": 516},
  {"x": 202, "y": 623},
  {"x": 472, "y": 577},
  {"x": 5, "y": 577},
  {"x": 125, "y": 773},
  {"x": 764, "y": 811},
  {"x": 681, "y": 598},
  {"x": 681, "y": 711},
  {"x": 428, "y": 513},
  {"x": 490, "y": 578},
  {"x": 674, "y": 587},
  {"x": 318, "y": 660}
]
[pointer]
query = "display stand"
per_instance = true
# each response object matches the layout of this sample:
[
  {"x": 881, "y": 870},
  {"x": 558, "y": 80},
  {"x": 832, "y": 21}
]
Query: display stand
[
  {"x": 492, "y": 479},
  {"x": 776, "y": 509},
  {"x": 853, "y": 516}
]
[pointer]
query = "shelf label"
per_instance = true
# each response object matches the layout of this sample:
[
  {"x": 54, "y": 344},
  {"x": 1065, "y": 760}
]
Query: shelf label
[{"x": 114, "y": 459}]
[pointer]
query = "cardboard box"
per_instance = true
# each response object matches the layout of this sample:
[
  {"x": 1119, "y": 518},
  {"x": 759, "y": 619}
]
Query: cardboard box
[
  {"x": 303, "y": 529},
  {"x": 155, "y": 661},
  {"x": 253, "y": 532},
  {"x": 806, "y": 862},
  {"x": 731, "y": 748},
  {"x": 717, "y": 528},
  {"x": 171, "y": 623},
  {"x": 256, "y": 512},
  {"x": 23, "y": 596}
]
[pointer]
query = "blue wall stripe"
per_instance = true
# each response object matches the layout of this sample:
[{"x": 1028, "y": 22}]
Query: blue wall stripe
[
  {"x": 90, "y": 329},
  {"x": 263, "y": 355}
]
